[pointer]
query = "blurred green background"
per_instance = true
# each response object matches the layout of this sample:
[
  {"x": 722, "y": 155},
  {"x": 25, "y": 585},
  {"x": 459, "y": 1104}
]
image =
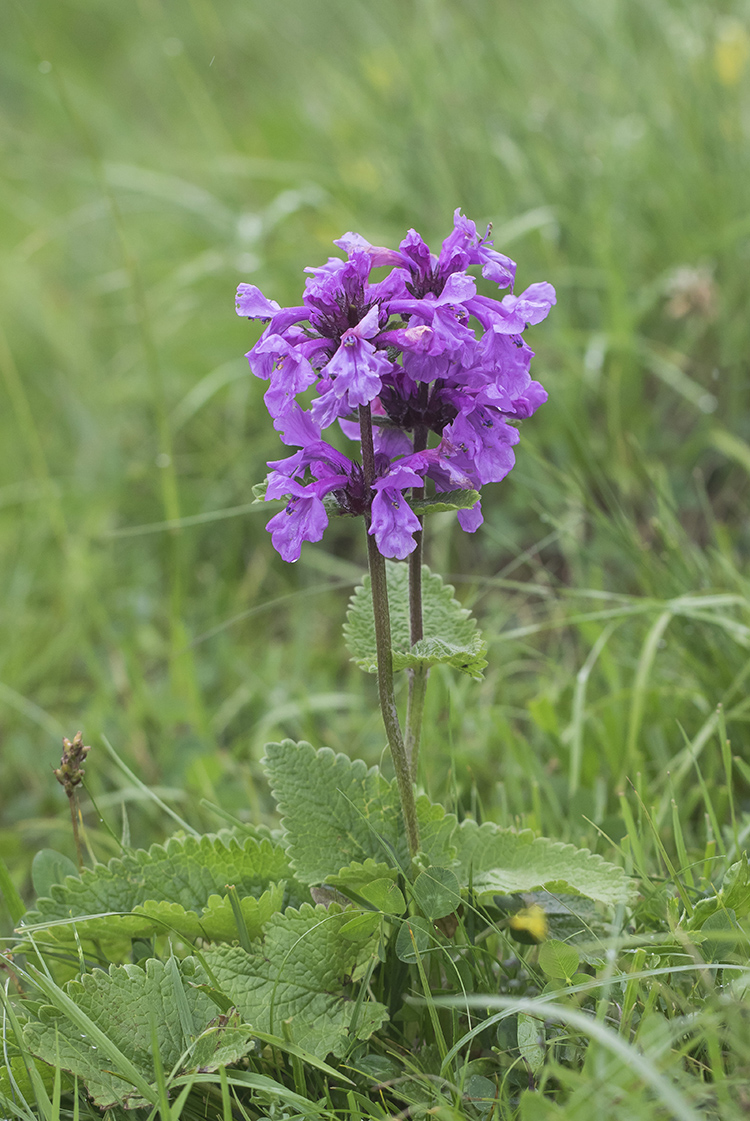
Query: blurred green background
[{"x": 157, "y": 153}]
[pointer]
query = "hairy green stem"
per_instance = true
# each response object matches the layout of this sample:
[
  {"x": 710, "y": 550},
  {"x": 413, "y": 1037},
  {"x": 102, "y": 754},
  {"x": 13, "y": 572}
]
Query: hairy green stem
[
  {"x": 414, "y": 712},
  {"x": 381, "y": 614},
  {"x": 417, "y": 676}
]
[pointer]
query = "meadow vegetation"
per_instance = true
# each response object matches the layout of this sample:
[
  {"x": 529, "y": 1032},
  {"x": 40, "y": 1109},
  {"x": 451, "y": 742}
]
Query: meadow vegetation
[{"x": 155, "y": 155}]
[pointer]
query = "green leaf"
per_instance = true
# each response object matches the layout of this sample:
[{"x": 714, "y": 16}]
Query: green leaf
[
  {"x": 502, "y": 861},
  {"x": 446, "y": 501},
  {"x": 124, "y": 1003},
  {"x": 343, "y": 827},
  {"x": 385, "y": 895},
  {"x": 216, "y": 922},
  {"x": 450, "y": 630},
  {"x": 15, "y": 1072},
  {"x": 437, "y": 892},
  {"x": 558, "y": 960},
  {"x": 437, "y": 832},
  {"x": 530, "y": 1036},
  {"x": 481, "y": 1092},
  {"x": 180, "y": 886},
  {"x": 362, "y": 925},
  {"x": 334, "y": 810},
  {"x": 417, "y": 936},
  {"x": 726, "y": 934},
  {"x": 734, "y": 895},
  {"x": 49, "y": 867},
  {"x": 337, "y": 813},
  {"x": 301, "y": 973},
  {"x": 735, "y": 890},
  {"x": 356, "y": 877}
]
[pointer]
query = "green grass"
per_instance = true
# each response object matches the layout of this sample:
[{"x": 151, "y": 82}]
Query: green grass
[{"x": 155, "y": 154}]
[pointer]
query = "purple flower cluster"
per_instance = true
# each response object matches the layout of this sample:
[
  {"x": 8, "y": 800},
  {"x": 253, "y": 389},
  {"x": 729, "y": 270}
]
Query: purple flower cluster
[{"x": 439, "y": 371}]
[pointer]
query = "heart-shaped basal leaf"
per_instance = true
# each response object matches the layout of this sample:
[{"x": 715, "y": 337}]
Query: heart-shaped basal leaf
[
  {"x": 499, "y": 861},
  {"x": 337, "y": 812},
  {"x": 450, "y": 637},
  {"x": 128, "y": 1005},
  {"x": 300, "y": 975},
  {"x": 180, "y": 886}
]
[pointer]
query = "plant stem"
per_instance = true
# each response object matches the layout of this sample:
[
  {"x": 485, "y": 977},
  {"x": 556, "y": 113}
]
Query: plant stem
[
  {"x": 381, "y": 614},
  {"x": 70, "y": 776},
  {"x": 74, "y": 818},
  {"x": 418, "y": 676}
]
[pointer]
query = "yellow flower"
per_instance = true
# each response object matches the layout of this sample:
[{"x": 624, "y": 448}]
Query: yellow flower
[
  {"x": 731, "y": 51},
  {"x": 529, "y": 925}
]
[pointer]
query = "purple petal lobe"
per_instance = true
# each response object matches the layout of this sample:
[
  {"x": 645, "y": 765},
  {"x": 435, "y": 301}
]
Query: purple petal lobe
[
  {"x": 394, "y": 524},
  {"x": 378, "y": 254},
  {"x": 251, "y": 302},
  {"x": 470, "y": 520},
  {"x": 304, "y": 519},
  {"x": 533, "y": 305}
]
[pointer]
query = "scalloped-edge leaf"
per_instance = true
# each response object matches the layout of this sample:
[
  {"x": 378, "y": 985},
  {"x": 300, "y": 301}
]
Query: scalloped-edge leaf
[
  {"x": 300, "y": 974},
  {"x": 165, "y": 995},
  {"x": 500, "y": 861},
  {"x": 216, "y": 922},
  {"x": 450, "y": 638},
  {"x": 336, "y": 812},
  {"x": 468, "y": 658},
  {"x": 171, "y": 886},
  {"x": 445, "y": 501},
  {"x": 355, "y": 876},
  {"x": 371, "y": 883}
]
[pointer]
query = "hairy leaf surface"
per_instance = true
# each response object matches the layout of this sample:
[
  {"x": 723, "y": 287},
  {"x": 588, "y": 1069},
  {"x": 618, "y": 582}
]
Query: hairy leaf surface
[
  {"x": 501, "y": 860},
  {"x": 181, "y": 885},
  {"x": 445, "y": 501},
  {"x": 128, "y": 1004},
  {"x": 337, "y": 812},
  {"x": 301, "y": 973},
  {"x": 450, "y": 637}
]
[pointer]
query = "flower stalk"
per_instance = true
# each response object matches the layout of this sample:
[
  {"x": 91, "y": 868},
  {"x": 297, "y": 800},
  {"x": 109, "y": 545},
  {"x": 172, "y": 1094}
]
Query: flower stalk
[
  {"x": 417, "y": 676},
  {"x": 381, "y": 614}
]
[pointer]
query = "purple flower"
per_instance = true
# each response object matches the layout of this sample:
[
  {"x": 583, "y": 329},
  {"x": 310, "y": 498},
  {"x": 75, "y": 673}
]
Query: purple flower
[
  {"x": 443, "y": 372},
  {"x": 353, "y": 374},
  {"x": 304, "y": 518},
  {"x": 393, "y": 521}
]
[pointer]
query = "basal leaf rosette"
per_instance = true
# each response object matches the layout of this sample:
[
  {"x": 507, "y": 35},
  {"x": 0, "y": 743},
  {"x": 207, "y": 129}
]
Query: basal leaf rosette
[
  {"x": 342, "y": 827},
  {"x": 451, "y": 636}
]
